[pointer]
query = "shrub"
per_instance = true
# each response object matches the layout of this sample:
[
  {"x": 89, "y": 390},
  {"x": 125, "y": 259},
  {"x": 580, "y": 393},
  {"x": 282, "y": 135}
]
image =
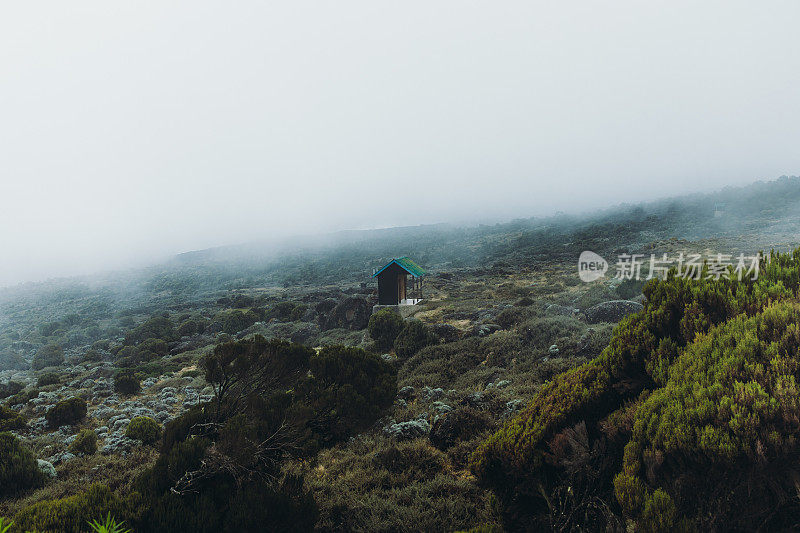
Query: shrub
[
  {"x": 144, "y": 429},
  {"x": 414, "y": 337},
  {"x": 48, "y": 378},
  {"x": 384, "y": 327},
  {"x": 9, "y": 389},
  {"x": 126, "y": 383},
  {"x": 66, "y": 412},
  {"x": 71, "y": 514},
  {"x": 85, "y": 443},
  {"x": 48, "y": 355},
  {"x": 11, "y": 420},
  {"x": 693, "y": 402},
  {"x": 19, "y": 469},
  {"x": 157, "y": 327},
  {"x": 348, "y": 390}
]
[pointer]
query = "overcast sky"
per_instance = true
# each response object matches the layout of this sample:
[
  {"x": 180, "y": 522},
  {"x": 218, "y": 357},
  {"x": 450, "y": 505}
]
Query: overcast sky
[{"x": 135, "y": 130}]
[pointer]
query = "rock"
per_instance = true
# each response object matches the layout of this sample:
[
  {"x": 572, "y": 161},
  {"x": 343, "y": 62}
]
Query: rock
[
  {"x": 555, "y": 309},
  {"x": 47, "y": 468},
  {"x": 611, "y": 311},
  {"x": 503, "y": 383},
  {"x": 353, "y": 313},
  {"x": 553, "y": 349},
  {"x": 411, "y": 429}
]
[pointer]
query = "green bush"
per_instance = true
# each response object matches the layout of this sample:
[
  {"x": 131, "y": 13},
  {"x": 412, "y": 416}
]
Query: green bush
[
  {"x": 85, "y": 443},
  {"x": 11, "y": 420},
  {"x": 693, "y": 402},
  {"x": 10, "y": 389},
  {"x": 72, "y": 514},
  {"x": 126, "y": 383},
  {"x": 48, "y": 355},
  {"x": 157, "y": 327},
  {"x": 414, "y": 337},
  {"x": 19, "y": 469},
  {"x": 384, "y": 327},
  {"x": 145, "y": 429},
  {"x": 66, "y": 412},
  {"x": 48, "y": 378}
]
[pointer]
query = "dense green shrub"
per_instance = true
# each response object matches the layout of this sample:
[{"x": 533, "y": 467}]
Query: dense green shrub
[
  {"x": 192, "y": 326},
  {"x": 66, "y": 412},
  {"x": 233, "y": 321},
  {"x": 126, "y": 383},
  {"x": 384, "y": 327},
  {"x": 413, "y": 337},
  {"x": 694, "y": 403},
  {"x": 72, "y": 514},
  {"x": 11, "y": 420},
  {"x": 9, "y": 389},
  {"x": 85, "y": 443},
  {"x": 48, "y": 378},
  {"x": 48, "y": 355},
  {"x": 348, "y": 389},
  {"x": 221, "y": 464},
  {"x": 19, "y": 470},
  {"x": 157, "y": 327},
  {"x": 145, "y": 429}
]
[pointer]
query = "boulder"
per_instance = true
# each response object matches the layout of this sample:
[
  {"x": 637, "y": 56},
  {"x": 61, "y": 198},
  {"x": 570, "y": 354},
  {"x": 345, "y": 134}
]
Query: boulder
[
  {"x": 352, "y": 313},
  {"x": 611, "y": 311}
]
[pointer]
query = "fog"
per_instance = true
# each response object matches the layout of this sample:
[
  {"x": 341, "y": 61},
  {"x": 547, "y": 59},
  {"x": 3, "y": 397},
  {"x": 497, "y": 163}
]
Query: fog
[{"x": 131, "y": 131}]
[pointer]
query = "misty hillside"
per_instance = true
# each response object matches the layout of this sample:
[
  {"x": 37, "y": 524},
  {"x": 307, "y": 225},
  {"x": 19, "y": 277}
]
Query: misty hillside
[{"x": 185, "y": 389}]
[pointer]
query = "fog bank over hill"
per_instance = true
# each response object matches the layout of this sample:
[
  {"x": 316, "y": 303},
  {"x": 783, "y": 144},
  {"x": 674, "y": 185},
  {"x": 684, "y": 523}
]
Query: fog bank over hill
[{"x": 125, "y": 141}]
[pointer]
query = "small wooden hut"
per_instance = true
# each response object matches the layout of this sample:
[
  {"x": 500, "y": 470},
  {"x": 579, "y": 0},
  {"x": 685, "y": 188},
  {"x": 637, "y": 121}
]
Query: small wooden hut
[{"x": 393, "y": 286}]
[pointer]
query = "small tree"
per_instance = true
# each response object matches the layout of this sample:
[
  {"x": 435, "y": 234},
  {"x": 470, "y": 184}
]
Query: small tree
[
  {"x": 414, "y": 337},
  {"x": 50, "y": 354},
  {"x": 126, "y": 383},
  {"x": 18, "y": 467},
  {"x": 66, "y": 412},
  {"x": 384, "y": 327}
]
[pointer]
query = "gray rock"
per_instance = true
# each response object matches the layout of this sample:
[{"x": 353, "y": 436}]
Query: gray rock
[
  {"x": 502, "y": 384},
  {"x": 553, "y": 349},
  {"x": 555, "y": 309},
  {"x": 611, "y": 311}
]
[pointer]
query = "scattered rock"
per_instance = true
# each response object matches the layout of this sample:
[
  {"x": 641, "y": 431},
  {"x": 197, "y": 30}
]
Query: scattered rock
[{"x": 553, "y": 349}]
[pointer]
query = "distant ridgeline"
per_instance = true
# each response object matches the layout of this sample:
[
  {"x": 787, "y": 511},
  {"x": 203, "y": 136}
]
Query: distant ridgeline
[{"x": 688, "y": 420}]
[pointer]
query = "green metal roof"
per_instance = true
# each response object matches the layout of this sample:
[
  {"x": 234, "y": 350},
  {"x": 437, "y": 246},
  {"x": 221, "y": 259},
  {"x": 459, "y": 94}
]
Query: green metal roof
[{"x": 406, "y": 264}]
